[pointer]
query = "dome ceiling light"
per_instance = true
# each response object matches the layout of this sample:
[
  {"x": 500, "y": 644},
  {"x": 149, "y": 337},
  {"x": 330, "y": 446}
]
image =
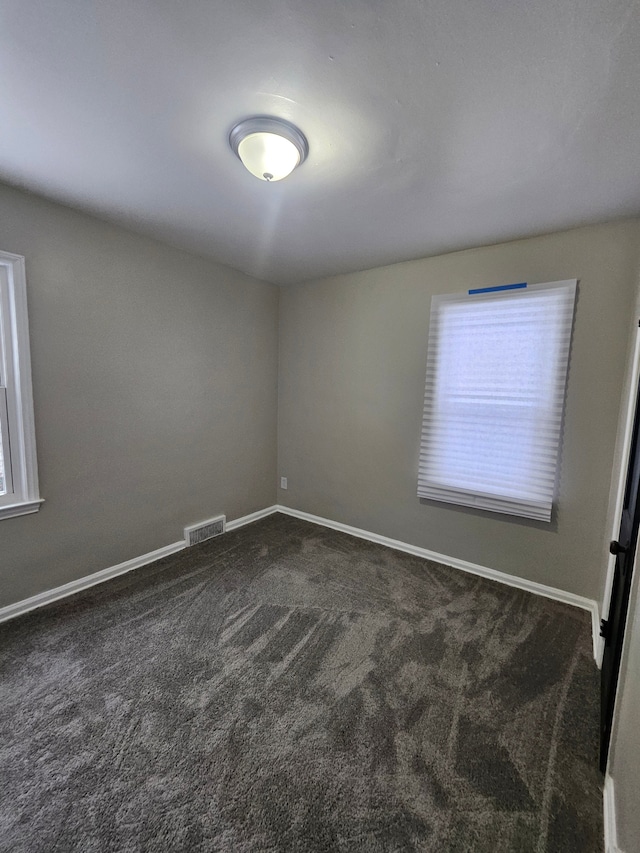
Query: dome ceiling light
[{"x": 270, "y": 148}]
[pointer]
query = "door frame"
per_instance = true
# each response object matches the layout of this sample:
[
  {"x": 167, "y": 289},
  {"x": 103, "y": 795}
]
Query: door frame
[{"x": 620, "y": 472}]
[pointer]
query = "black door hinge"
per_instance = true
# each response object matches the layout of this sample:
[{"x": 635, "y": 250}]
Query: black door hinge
[{"x": 604, "y": 629}]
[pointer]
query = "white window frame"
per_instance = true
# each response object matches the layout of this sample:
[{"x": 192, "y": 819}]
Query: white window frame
[
  {"x": 16, "y": 393},
  {"x": 529, "y": 488}
]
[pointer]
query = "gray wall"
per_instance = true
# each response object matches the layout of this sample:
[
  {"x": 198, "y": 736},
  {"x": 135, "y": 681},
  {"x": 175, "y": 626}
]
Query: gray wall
[
  {"x": 155, "y": 377},
  {"x": 351, "y": 383}
]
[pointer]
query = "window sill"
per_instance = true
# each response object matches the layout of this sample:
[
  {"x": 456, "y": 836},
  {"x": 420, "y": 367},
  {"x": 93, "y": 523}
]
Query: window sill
[{"x": 23, "y": 508}]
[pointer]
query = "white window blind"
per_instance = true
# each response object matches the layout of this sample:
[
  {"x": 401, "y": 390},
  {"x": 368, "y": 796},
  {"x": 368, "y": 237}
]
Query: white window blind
[{"x": 494, "y": 397}]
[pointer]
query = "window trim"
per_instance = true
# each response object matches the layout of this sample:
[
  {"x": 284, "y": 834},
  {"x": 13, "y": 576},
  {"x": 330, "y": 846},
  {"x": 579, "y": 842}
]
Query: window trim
[{"x": 16, "y": 358}]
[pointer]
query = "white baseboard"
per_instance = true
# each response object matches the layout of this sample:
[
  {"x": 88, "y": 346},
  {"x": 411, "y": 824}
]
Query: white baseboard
[
  {"x": 50, "y": 595},
  {"x": 598, "y": 642},
  {"x": 610, "y": 830},
  {"x": 465, "y": 566},
  {"x": 42, "y": 598},
  {"x": 249, "y": 519}
]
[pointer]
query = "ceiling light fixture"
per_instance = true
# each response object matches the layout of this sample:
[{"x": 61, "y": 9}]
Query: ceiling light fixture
[{"x": 270, "y": 148}]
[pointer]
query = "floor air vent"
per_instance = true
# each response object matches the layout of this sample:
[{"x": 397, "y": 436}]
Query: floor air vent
[{"x": 205, "y": 530}]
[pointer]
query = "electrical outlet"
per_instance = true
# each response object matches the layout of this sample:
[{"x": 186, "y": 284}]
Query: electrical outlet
[{"x": 283, "y": 482}]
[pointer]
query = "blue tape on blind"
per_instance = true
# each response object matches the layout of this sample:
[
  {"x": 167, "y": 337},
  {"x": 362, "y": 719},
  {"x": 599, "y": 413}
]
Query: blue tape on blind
[{"x": 518, "y": 286}]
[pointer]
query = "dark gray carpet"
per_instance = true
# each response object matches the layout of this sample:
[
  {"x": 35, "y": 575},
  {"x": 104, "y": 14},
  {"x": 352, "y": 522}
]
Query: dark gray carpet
[{"x": 288, "y": 688}]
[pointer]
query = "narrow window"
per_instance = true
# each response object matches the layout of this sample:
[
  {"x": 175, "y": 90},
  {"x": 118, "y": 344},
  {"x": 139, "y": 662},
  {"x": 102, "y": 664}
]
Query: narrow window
[
  {"x": 494, "y": 399},
  {"x": 18, "y": 467}
]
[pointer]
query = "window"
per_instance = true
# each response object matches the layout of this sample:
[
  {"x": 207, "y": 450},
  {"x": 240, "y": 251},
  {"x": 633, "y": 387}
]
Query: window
[
  {"x": 494, "y": 398},
  {"x": 18, "y": 467}
]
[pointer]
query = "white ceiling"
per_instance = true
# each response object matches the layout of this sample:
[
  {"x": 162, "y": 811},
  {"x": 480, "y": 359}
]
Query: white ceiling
[{"x": 432, "y": 124}]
